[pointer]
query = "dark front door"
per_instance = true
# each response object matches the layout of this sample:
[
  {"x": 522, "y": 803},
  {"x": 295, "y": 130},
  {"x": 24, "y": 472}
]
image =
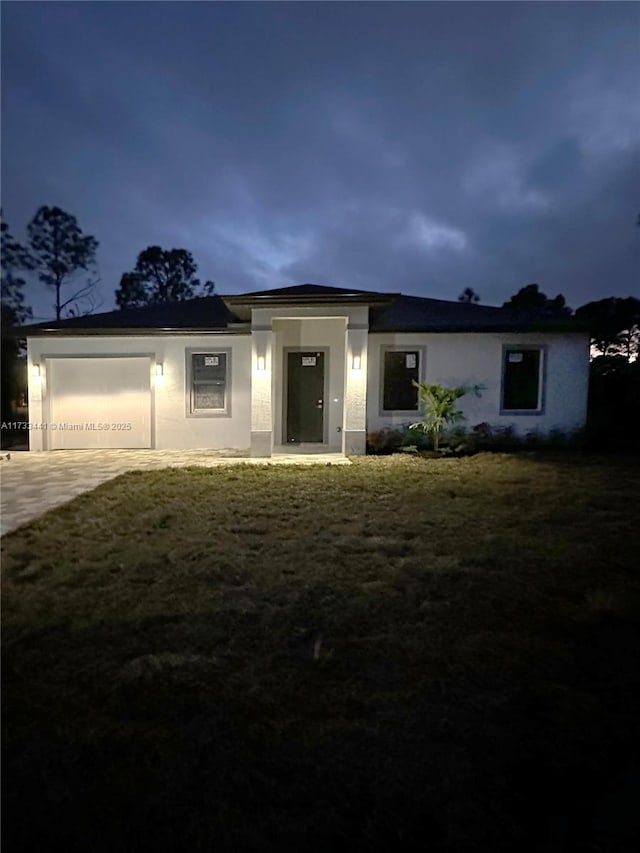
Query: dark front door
[{"x": 305, "y": 396}]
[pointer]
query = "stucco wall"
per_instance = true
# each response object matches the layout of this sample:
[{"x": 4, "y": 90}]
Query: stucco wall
[
  {"x": 469, "y": 359},
  {"x": 450, "y": 359},
  {"x": 174, "y": 429}
]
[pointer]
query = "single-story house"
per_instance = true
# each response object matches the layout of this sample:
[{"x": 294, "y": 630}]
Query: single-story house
[{"x": 306, "y": 368}]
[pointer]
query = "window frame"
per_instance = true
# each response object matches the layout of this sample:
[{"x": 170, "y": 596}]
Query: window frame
[
  {"x": 406, "y": 348},
  {"x": 192, "y": 412},
  {"x": 542, "y": 378}
]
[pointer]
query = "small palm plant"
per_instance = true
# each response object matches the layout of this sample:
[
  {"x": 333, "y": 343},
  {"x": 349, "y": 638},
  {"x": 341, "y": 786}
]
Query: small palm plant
[{"x": 439, "y": 408}]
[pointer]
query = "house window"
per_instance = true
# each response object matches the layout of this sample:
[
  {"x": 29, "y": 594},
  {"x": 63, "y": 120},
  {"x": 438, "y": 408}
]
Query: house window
[
  {"x": 522, "y": 379},
  {"x": 400, "y": 369},
  {"x": 208, "y": 382}
]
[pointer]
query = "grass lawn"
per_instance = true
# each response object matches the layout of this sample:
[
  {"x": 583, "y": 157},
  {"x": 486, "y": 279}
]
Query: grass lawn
[{"x": 403, "y": 654}]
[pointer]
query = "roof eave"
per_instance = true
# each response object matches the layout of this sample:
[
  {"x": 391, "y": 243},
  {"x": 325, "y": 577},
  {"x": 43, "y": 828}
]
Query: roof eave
[
  {"x": 507, "y": 328},
  {"x": 146, "y": 331},
  {"x": 310, "y": 299}
]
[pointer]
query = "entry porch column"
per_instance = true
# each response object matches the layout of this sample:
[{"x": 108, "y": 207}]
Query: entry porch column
[
  {"x": 354, "y": 433},
  {"x": 261, "y": 391}
]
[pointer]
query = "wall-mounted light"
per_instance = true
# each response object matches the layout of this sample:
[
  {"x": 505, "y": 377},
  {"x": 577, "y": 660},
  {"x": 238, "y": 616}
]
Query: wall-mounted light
[
  {"x": 356, "y": 362},
  {"x": 159, "y": 369},
  {"x": 35, "y": 371},
  {"x": 261, "y": 364}
]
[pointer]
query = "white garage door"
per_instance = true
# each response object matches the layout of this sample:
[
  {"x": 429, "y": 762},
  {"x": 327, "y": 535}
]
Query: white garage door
[{"x": 98, "y": 402}]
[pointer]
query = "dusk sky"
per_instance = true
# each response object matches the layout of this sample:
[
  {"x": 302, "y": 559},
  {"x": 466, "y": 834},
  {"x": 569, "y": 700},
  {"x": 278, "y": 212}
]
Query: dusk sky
[{"x": 412, "y": 147}]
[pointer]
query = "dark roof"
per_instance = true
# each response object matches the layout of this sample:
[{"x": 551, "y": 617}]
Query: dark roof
[
  {"x": 310, "y": 290},
  {"x": 205, "y": 313},
  {"x": 389, "y": 312},
  {"x": 418, "y": 314},
  {"x": 303, "y": 294}
]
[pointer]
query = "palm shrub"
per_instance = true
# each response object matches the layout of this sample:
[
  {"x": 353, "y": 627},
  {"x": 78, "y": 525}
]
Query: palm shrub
[{"x": 438, "y": 404}]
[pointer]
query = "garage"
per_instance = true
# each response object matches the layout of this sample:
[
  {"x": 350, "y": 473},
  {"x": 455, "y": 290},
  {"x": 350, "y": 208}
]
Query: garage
[{"x": 98, "y": 402}]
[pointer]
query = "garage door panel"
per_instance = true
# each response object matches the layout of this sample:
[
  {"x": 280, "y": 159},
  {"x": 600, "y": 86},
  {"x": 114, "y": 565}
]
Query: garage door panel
[{"x": 99, "y": 403}]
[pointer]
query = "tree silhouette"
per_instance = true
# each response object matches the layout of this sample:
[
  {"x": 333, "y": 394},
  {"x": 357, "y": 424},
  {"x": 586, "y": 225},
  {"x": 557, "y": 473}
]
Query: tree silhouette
[
  {"x": 530, "y": 298},
  {"x": 61, "y": 252},
  {"x": 614, "y": 325},
  {"x": 161, "y": 276},
  {"x": 469, "y": 295},
  {"x": 15, "y": 259}
]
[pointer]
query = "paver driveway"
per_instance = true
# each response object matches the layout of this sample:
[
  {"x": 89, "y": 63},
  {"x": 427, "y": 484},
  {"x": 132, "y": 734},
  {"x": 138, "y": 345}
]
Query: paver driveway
[{"x": 33, "y": 483}]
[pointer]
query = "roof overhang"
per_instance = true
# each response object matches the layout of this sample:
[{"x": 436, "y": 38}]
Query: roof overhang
[
  {"x": 41, "y": 332},
  {"x": 504, "y": 328},
  {"x": 242, "y": 305}
]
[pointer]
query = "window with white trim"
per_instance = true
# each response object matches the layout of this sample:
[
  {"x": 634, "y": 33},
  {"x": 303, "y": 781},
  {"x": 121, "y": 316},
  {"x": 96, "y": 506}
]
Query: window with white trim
[
  {"x": 208, "y": 382},
  {"x": 400, "y": 369},
  {"x": 522, "y": 379}
]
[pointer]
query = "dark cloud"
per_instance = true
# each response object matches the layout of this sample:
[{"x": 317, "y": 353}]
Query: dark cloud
[
  {"x": 414, "y": 147},
  {"x": 557, "y": 166}
]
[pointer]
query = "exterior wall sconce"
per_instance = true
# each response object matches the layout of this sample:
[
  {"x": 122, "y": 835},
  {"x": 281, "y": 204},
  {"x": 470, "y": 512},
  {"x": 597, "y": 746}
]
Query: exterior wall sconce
[
  {"x": 261, "y": 364},
  {"x": 356, "y": 363},
  {"x": 159, "y": 369},
  {"x": 36, "y": 372}
]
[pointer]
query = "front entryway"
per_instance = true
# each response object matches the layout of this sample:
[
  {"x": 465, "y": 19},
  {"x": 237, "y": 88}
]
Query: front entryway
[{"x": 305, "y": 397}]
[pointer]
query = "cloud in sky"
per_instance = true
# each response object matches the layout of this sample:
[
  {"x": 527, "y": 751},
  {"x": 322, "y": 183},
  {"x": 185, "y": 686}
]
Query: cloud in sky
[{"x": 415, "y": 147}]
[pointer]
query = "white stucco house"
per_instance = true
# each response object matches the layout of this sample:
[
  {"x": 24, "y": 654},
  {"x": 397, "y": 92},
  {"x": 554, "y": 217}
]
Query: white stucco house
[{"x": 295, "y": 369}]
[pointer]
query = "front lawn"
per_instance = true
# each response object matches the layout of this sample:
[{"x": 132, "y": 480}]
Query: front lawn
[{"x": 403, "y": 654}]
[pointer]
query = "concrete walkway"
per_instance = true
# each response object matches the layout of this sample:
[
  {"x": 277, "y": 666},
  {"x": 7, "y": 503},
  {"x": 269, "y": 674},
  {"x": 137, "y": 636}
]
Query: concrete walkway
[{"x": 33, "y": 483}]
